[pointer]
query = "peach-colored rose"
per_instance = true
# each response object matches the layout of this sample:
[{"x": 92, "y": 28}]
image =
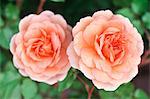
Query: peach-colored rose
[
  {"x": 39, "y": 49},
  {"x": 106, "y": 49}
]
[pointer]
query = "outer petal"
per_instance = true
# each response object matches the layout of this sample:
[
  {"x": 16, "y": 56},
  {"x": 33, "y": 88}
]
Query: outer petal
[
  {"x": 107, "y": 14},
  {"x": 105, "y": 86},
  {"x": 79, "y": 43},
  {"x": 86, "y": 70},
  {"x": 87, "y": 56},
  {"x": 72, "y": 56},
  {"x": 80, "y": 26},
  {"x": 25, "y": 22}
]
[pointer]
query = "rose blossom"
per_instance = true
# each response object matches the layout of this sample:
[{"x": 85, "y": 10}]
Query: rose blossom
[
  {"x": 39, "y": 49},
  {"x": 106, "y": 49}
]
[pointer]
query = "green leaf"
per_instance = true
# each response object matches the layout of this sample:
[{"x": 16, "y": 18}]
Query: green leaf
[
  {"x": 107, "y": 95},
  {"x": 125, "y": 91},
  {"x": 16, "y": 93},
  {"x": 1, "y": 22},
  {"x": 139, "y": 27},
  {"x": 140, "y": 94},
  {"x": 127, "y": 13},
  {"x": 8, "y": 83},
  {"x": 29, "y": 89},
  {"x": 54, "y": 92},
  {"x": 9, "y": 77},
  {"x": 9, "y": 66},
  {"x": 43, "y": 87},
  {"x": 58, "y": 0},
  {"x": 146, "y": 19},
  {"x": 5, "y": 36},
  {"x": 38, "y": 97},
  {"x": 139, "y": 6},
  {"x": 11, "y": 12},
  {"x": 65, "y": 84}
]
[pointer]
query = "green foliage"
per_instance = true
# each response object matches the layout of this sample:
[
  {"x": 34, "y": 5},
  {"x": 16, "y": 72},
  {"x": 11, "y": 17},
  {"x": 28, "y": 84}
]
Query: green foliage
[
  {"x": 5, "y": 37},
  {"x": 8, "y": 24},
  {"x": 146, "y": 19},
  {"x": 125, "y": 91},
  {"x": 139, "y": 6},
  {"x": 122, "y": 3},
  {"x": 138, "y": 25},
  {"x": 67, "y": 82},
  {"x": 140, "y": 94},
  {"x": 29, "y": 89},
  {"x": 1, "y": 22},
  {"x": 9, "y": 85},
  {"x": 127, "y": 13},
  {"x": 11, "y": 11}
]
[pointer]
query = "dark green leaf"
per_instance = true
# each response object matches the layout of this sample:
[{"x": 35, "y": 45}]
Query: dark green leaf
[
  {"x": 125, "y": 91},
  {"x": 139, "y": 6},
  {"x": 140, "y": 94},
  {"x": 29, "y": 89},
  {"x": 1, "y": 22},
  {"x": 11, "y": 11},
  {"x": 43, "y": 87},
  {"x": 67, "y": 82},
  {"x": 146, "y": 19},
  {"x": 122, "y": 3},
  {"x": 9, "y": 66}
]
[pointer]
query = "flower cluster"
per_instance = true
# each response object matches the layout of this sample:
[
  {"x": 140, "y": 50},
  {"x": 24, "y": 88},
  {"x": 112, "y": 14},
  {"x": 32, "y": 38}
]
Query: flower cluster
[{"x": 105, "y": 47}]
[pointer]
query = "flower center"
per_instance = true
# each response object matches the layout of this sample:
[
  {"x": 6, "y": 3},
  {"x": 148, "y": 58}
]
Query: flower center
[
  {"x": 111, "y": 45},
  {"x": 43, "y": 47}
]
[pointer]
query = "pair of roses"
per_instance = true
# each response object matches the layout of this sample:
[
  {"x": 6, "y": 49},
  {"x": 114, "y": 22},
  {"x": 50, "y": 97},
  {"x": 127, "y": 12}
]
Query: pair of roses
[{"x": 106, "y": 48}]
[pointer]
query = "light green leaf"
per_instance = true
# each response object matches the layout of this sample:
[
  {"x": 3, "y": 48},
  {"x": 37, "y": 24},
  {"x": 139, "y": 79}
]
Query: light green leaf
[
  {"x": 146, "y": 19},
  {"x": 65, "y": 84},
  {"x": 16, "y": 93},
  {"x": 38, "y": 96},
  {"x": 139, "y": 27},
  {"x": 11, "y": 11},
  {"x": 139, "y": 6},
  {"x": 29, "y": 89},
  {"x": 127, "y": 13},
  {"x": 140, "y": 94},
  {"x": 8, "y": 82},
  {"x": 5, "y": 36}
]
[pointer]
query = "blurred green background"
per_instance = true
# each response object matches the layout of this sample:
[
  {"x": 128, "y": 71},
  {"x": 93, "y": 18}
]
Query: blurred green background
[{"x": 15, "y": 86}]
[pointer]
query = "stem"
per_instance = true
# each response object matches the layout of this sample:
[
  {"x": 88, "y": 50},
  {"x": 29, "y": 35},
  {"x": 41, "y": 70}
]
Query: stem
[
  {"x": 85, "y": 84},
  {"x": 90, "y": 92},
  {"x": 145, "y": 59},
  {"x": 40, "y": 7}
]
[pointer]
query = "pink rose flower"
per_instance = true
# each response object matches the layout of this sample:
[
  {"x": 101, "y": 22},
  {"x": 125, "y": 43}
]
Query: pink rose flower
[
  {"x": 39, "y": 49},
  {"x": 106, "y": 49}
]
